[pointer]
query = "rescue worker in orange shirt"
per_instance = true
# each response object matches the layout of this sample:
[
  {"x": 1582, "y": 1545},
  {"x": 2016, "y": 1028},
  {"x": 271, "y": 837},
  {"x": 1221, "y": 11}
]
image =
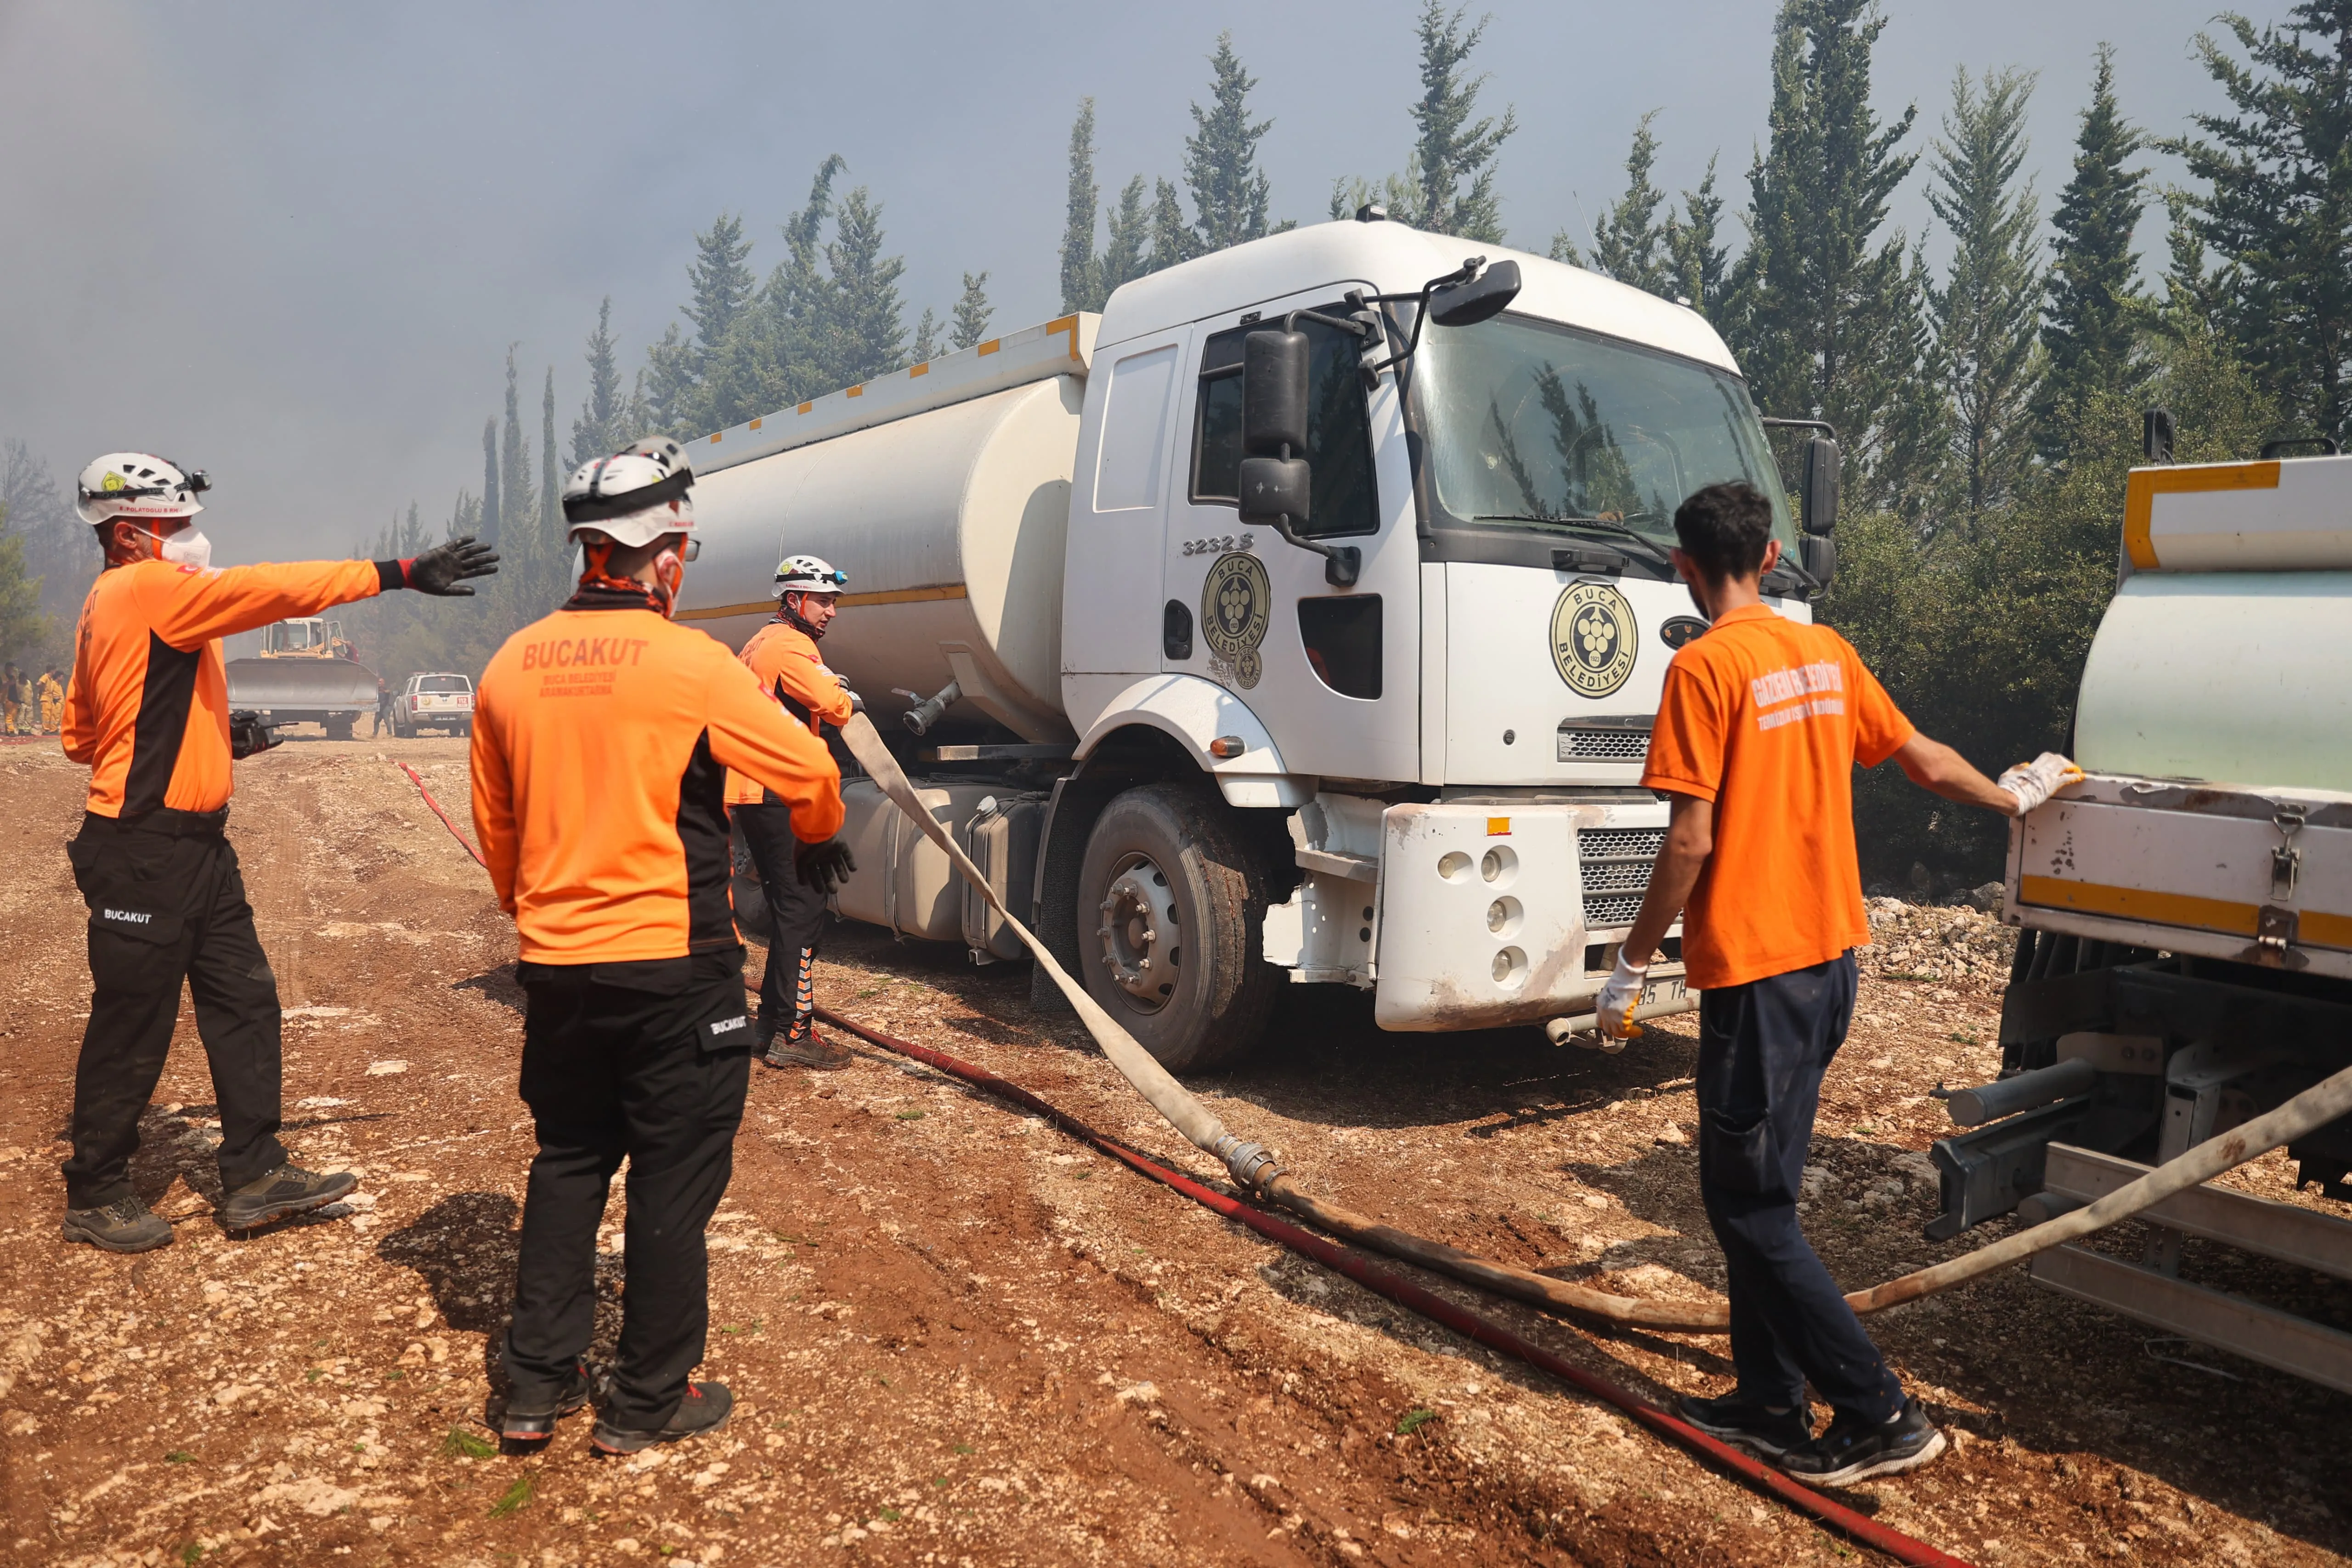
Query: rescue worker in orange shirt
[
  {"x": 602, "y": 736},
  {"x": 1760, "y": 727},
  {"x": 784, "y": 657},
  {"x": 147, "y": 710}
]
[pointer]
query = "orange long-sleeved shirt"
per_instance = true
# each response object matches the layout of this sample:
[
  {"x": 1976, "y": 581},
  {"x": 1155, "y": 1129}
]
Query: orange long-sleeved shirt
[
  {"x": 600, "y": 740},
  {"x": 148, "y": 706},
  {"x": 786, "y": 662}
]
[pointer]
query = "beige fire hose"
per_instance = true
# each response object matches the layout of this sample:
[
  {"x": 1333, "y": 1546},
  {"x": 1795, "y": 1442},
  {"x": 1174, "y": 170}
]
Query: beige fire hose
[{"x": 1255, "y": 1170}]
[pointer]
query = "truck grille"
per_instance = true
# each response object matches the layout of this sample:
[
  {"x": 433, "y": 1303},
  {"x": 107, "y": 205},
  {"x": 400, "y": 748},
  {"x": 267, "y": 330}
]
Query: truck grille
[
  {"x": 1615, "y": 863},
  {"x": 1586, "y": 745},
  {"x": 1613, "y": 910}
]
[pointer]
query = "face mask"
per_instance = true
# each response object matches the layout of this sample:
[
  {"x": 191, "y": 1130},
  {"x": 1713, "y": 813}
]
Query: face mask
[{"x": 189, "y": 547}]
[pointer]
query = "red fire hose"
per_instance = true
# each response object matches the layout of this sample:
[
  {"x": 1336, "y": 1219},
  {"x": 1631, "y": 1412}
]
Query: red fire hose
[
  {"x": 1396, "y": 1288},
  {"x": 418, "y": 780}
]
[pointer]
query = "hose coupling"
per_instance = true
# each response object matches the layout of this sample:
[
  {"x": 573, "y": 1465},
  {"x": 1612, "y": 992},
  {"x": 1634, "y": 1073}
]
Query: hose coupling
[{"x": 1251, "y": 1165}]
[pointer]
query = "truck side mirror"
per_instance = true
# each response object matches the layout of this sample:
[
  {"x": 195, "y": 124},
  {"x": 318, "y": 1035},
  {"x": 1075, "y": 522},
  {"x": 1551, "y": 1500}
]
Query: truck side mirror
[
  {"x": 1274, "y": 394},
  {"x": 1484, "y": 297},
  {"x": 1820, "y": 484},
  {"x": 2156, "y": 432},
  {"x": 1817, "y": 553}
]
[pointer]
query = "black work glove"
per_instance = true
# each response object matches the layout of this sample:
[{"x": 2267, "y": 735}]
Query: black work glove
[
  {"x": 824, "y": 866},
  {"x": 443, "y": 570}
]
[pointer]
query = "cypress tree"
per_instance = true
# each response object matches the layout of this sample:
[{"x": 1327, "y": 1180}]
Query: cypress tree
[
  {"x": 518, "y": 506},
  {"x": 551, "y": 478},
  {"x": 969, "y": 327},
  {"x": 487, "y": 513},
  {"x": 1629, "y": 243},
  {"x": 1700, "y": 265},
  {"x": 1811, "y": 298},
  {"x": 2087, "y": 332},
  {"x": 1081, "y": 288},
  {"x": 1450, "y": 147},
  {"x": 866, "y": 331},
  {"x": 597, "y": 433},
  {"x": 1986, "y": 312},
  {"x": 1125, "y": 257},
  {"x": 720, "y": 279},
  {"x": 1173, "y": 238},
  {"x": 2277, "y": 204},
  {"x": 1230, "y": 191}
]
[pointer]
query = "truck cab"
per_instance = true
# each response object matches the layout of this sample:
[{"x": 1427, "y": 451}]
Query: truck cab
[{"x": 1388, "y": 734}]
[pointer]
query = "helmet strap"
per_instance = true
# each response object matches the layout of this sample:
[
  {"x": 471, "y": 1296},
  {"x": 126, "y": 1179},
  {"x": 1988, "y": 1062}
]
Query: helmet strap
[
  {"x": 660, "y": 595},
  {"x": 790, "y": 614}
]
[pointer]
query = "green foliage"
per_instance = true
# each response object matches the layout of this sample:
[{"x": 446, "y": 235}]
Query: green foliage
[
  {"x": 1986, "y": 312},
  {"x": 2277, "y": 206},
  {"x": 516, "y": 1498},
  {"x": 1453, "y": 145},
  {"x": 970, "y": 327},
  {"x": 1818, "y": 291},
  {"x": 1982, "y": 640},
  {"x": 461, "y": 1444},
  {"x": 488, "y": 516},
  {"x": 1230, "y": 191},
  {"x": 1629, "y": 243},
  {"x": 1081, "y": 279},
  {"x": 1701, "y": 267},
  {"x": 2088, "y": 336},
  {"x": 1414, "y": 1420}
]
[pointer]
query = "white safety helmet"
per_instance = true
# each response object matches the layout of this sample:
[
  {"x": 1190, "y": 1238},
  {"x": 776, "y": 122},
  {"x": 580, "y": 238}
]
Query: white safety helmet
[
  {"x": 634, "y": 496},
  {"x": 138, "y": 485},
  {"x": 807, "y": 575}
]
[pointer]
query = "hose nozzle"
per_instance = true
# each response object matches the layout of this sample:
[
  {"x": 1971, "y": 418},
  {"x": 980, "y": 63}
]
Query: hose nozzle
[
  {"x": 1251, "y": 1165},
  {"x": 923, "y": 715}
]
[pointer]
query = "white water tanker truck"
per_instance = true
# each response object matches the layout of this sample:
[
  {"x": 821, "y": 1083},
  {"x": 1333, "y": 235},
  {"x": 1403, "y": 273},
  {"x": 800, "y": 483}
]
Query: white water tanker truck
[
  {"x": 2185, "y": 960},
  {"x": 1299, "y": 617}
]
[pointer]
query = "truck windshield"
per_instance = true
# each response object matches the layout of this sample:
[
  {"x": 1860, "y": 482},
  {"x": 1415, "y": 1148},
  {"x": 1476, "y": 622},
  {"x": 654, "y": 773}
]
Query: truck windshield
[{"x": 1544, "y": 428}]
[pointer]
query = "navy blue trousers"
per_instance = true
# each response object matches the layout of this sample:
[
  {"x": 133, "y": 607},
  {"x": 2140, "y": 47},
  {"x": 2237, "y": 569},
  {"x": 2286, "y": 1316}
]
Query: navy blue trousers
[{"x": 1763, "y": 1048}]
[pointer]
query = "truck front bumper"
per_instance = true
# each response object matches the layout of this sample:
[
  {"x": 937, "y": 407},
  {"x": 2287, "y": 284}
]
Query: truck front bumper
[{"x": 1492, "y": 913}]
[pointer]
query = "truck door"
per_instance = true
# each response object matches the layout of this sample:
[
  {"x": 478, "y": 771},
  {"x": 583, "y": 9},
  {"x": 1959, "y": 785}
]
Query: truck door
[{"x": 1332, "y": 672}]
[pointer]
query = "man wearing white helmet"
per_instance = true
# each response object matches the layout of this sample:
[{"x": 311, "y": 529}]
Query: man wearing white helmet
[
  {"x": 147, "y": 710},
  {"x": 784, "y": 655},
  {"x": 602, "y": 737}
]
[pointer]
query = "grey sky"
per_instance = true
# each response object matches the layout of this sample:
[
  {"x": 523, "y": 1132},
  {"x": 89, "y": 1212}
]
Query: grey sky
[{"x": 289, "y": 243}]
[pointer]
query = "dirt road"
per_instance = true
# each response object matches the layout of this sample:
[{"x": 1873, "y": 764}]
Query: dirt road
[{"x": 959, "y": 1337}]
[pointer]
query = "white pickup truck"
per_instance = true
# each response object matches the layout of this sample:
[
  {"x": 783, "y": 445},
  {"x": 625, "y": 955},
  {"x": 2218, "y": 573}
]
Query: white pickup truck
[
  {"x": 440, "y": 701},
  {"x": 1300, "y": 618},
  {"x": 2185, "y": 960}
]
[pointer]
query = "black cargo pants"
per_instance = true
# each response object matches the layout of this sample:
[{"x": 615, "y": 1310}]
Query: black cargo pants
[
  {"x": 795, "y": 919},
  {"x": 167, "y": 904},
  {"x": 1763, "y": 1048},
  {"x": 648, "y": 1061}
]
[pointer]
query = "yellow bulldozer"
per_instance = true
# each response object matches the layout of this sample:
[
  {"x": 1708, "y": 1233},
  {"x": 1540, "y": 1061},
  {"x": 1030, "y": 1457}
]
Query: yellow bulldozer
[{"x": 305, "y": 673}]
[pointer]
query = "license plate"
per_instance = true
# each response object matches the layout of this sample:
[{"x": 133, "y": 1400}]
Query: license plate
[{"x": 1670, "y": 990}]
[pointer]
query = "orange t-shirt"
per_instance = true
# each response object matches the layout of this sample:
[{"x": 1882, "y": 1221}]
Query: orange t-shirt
[
  {"x": 786, "y": 660},
  {"x": 1767, "y": 717}
]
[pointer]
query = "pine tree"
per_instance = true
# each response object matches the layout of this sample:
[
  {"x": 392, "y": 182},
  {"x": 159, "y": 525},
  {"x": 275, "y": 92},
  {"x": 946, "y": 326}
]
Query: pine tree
[
  {"x": 1174, "y": 239},
  {"x": 1700, "y": 266},
  {"x": 1629, "y": 243},
  {"x": 782, "y": 351},
  {"x": 867, "y": 333},
  {"x": 1450, "y": 146},
  {"x": 1809, "y": 299},
  {"x": 551, "y": 478},
  {"x": 969, "y": 327},
  {"x": 926, "y": 346},
  {"x": 597, "y": 433},
  {"x": 2195, "y": 301},
  {"x": 1081, "y": 280},
  {"x": 1230, "y": 191},
  {"x": 1125, "y": 257},
  {"x": 2088, "y": 340},
  {"x": 2277, "y": 204},
  {"x": 1986, "y": 310},
  {"x": 486, "y": 515},
  {"x": 720, "y": 278}
]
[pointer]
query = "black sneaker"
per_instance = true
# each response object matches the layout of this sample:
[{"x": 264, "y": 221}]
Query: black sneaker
[
  {"x": 1746, "y": 1424},
  {"x": 704, "y": 1409},
  {"x": 288, "y": 1190},
  {"x": 529, "y": 1424},
  {"x": 126, "y": 1225},
  {"x": 1856, "y": 1450}
]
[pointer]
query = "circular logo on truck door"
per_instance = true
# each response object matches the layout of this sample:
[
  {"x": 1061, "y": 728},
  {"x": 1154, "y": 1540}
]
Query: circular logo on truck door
[
  {"x": 1235, "y": 604},
  {"x": 1593, "y": 638}
]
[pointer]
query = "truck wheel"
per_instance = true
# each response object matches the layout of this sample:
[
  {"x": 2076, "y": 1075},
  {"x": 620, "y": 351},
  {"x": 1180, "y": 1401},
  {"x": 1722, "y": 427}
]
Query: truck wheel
[{"x": 1170, "y": 917}]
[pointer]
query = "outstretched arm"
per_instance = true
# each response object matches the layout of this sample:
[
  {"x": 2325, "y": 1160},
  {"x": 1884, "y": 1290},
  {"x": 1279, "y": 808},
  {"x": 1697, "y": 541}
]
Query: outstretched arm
[{"x": 1933, "y": 765}]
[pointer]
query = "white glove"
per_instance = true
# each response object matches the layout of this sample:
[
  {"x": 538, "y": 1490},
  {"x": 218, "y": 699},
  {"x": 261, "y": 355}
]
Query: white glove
[
  {"x": 2032, "y": 782},
  {"x": 1615, "y": 1004}
]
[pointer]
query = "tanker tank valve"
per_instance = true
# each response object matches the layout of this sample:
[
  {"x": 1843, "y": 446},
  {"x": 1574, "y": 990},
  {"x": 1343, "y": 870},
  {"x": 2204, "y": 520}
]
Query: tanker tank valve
[{"x": 924, "y": 714}]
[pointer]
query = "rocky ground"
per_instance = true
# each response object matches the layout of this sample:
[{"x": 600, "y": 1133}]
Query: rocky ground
[{"x": 959, "y": 1337}]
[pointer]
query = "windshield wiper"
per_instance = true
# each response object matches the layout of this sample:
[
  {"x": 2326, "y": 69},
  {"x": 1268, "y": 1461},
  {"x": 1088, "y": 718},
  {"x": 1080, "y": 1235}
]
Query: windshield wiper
[{"x": 1591, "y": 525}]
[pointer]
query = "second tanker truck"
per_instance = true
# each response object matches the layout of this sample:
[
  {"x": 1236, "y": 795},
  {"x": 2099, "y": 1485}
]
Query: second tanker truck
[{"x": 1300, "y": 618}]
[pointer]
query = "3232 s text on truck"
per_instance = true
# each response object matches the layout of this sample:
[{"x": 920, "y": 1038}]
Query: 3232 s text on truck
[{"x": 1299, "y": 619}]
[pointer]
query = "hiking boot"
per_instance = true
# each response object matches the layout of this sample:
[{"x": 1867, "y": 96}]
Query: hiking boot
[
  {"x": 529, "y": 1424},
  {"x": 126, "y": 1225},
  {"x": 1854, "y": 1449},
  {"x": 1746, "y": 1424},
  {"x": 704, "y": 1409},
  {"x": 288, "y": 1190},
  {"x": 807, "y": 1049}
]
